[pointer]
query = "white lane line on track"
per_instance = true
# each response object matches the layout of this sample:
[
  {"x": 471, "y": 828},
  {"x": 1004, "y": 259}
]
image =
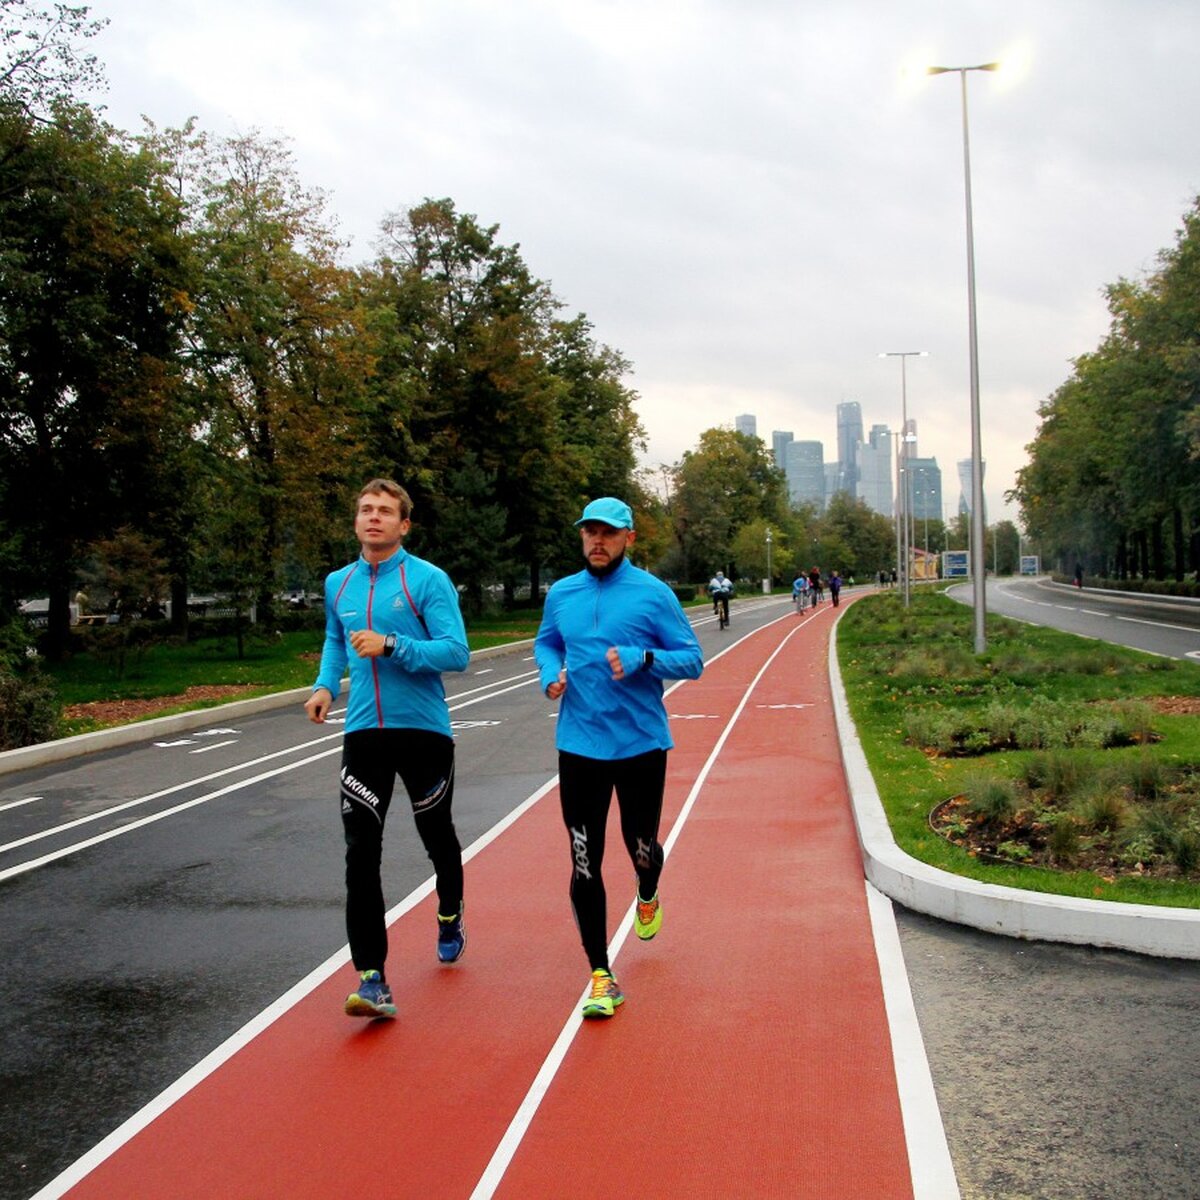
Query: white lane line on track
[
  {"x": 214, "y": 746},
  {"x": 494, "y": 1172},
  {"x": 178, "y": 808}
]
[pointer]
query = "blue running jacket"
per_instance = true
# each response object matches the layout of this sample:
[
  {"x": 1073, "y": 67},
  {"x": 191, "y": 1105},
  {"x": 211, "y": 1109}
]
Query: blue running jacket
[
  {"x": 415, "y": 600},
  {"x": 599, "y": 716}
]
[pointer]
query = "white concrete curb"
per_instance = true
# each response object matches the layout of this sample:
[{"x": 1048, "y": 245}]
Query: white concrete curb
[
  {"x": 1145, "y": 929},
  {"x": 124, "y": 735}
]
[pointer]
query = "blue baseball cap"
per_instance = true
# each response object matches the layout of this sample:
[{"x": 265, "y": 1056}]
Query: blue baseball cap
[{"x": 610, "y": 511}]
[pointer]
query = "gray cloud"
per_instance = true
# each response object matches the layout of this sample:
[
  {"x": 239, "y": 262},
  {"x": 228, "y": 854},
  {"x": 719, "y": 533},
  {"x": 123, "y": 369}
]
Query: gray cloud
[{"x": 739, "y": 195}]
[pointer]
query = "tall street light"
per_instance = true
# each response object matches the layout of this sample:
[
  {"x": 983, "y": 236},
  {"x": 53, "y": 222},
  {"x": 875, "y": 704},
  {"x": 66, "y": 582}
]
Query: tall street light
[
  {"x": 978, "y": 550},
  {"x": 903, "y": 483}
]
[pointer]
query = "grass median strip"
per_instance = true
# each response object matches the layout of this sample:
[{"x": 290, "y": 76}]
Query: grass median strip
[{"x": 1051, "y": 763}]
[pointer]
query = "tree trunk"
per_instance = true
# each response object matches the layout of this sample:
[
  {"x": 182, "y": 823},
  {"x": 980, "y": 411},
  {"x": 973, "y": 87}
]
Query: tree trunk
[
  {"x": 1178, "y": 544},
  {"x": 1158, "y": 564},
  {"x": 179, "y": 606},
  {"x": 535, "y": 579},
  {"x": 58, "y": 622}
]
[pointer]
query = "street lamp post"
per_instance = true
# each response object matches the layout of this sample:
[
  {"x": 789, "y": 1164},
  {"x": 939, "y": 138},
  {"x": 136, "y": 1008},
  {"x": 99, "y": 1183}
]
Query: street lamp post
[
  {"x": 898, "y": 514},
  {"x": 767, "y": 581},
  {"x": 903, "y": 484},
  {"x": 978, "y": 550}
]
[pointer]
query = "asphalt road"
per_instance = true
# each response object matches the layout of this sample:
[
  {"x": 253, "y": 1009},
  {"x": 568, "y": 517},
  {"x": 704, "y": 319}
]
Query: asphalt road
[
  {"x": 1159, "y": 625},
  {"x": 136, "y": 940}
]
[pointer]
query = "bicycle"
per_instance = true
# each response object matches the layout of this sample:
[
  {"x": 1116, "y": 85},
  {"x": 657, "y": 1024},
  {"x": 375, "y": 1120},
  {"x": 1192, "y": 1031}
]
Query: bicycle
[{"x": 722, "y": 603}]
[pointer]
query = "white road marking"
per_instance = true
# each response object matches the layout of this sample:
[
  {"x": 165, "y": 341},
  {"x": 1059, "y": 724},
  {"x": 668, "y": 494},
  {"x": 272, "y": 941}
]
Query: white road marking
[
  {"x": 18, "y": 803},
  {"x": 45, "y": 833},
  {"x": 214, "y": 746}
]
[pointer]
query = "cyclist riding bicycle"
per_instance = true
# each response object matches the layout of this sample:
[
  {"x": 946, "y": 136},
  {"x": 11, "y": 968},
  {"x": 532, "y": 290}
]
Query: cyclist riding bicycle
[
  {"x": 720, "y": 589},
  {"x": 800, "y": 591}
]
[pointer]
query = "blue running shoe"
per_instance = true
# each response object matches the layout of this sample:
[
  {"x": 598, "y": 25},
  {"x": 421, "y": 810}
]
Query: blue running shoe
[
  {"x": 452, "y": 937},
  {"x": 373, "y": 998}
]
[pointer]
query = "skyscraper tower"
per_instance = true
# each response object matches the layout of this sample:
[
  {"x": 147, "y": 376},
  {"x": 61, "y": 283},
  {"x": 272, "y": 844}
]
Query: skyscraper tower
[
  {"x": 806, "y": 474},
  {"x": 747, "y": 423},
  {"x": 875, "y": 486},
  {"x": 779, "y": 445},
  {"x": 964, "y": 482},
  {"x": 849, "y": 440}
]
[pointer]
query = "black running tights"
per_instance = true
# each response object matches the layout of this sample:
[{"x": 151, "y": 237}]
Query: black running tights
[
  {"x": 585, "y": 787},
  {"x": 371, "y": 760}
]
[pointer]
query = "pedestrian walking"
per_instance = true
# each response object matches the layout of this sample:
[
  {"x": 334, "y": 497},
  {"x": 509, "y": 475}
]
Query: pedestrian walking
[
  {"x": 609, "y": 636},
  {"x": 835, "y": 587},
  {"x": 394, "y": 619}
]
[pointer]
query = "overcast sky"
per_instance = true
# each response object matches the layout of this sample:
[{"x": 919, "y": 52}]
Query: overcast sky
[{"x": 750, "y": 199}]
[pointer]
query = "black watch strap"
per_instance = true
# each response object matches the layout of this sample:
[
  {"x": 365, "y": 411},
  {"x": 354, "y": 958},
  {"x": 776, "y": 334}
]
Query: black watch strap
[
  {"x": 647, "y": 660},
  {"x": 389, "y": 645}
]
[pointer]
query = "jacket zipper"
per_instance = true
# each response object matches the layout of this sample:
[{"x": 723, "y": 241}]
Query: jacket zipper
[{"x": 374, "y": 662}]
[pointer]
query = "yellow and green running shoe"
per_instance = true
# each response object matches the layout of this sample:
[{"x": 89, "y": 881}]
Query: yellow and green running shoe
[
  {"x": 604, "y": 996},
  {"x": 647, "y": 921}
]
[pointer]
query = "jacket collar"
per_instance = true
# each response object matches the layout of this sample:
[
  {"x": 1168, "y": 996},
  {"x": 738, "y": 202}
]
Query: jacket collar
[{"x": 387, "y": 565}]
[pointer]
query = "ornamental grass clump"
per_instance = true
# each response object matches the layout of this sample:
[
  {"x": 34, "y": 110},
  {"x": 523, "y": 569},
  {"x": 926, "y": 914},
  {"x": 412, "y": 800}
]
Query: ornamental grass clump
[
  {"x": 1057, "y": 773},
  {"x": 991, "y": 797},
  {"x": 1063, "y": 841},
  {"x": 1102, "y": 808}
]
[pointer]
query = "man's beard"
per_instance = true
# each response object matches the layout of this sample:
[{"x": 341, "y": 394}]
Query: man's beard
[{"x": 608, "y": 568}]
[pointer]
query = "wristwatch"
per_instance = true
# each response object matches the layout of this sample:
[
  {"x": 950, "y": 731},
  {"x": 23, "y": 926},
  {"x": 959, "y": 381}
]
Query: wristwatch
[
  {"x": 389, "y": 645},
  {"x": 647, "y": 660}
]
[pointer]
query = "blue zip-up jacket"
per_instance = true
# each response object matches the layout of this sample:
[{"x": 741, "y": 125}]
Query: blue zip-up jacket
[
  {"x": 415, "y": 600},
  {"x": 585, "y": 614}
]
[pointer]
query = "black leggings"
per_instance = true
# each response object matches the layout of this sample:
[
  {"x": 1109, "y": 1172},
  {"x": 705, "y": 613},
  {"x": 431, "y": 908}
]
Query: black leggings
[
  {"x": 371, "y": 760},
  {"x": 585, "y": 789}
]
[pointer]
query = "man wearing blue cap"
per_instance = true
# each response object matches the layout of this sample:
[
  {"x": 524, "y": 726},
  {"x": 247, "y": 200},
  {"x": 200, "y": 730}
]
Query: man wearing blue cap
[{"x": 609, "y": 636}]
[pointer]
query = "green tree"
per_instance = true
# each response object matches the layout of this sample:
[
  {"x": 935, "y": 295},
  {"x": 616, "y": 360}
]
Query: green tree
[
  {"x": 92, "y": 301},
  {"x": 43, "y": 57},
  {"x": 278, "y": 361},
  {"x": 856, "y": 540},
  {"x": 727, "y": 482},
  {"x": 1110, "y": 481},
  {"x": 474, "y": 365}
]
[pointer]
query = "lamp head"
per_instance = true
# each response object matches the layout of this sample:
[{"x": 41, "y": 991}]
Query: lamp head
[{"x": 992, "y": 66}]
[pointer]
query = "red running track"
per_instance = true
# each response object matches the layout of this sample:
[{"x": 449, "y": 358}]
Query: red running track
[{"x": 752, "y": 1057}]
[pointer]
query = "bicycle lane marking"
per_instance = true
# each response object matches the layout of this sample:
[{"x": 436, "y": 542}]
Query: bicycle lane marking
[
  {"x": 754, "y": 1025},
  {"x": 461, "y": 1056}
]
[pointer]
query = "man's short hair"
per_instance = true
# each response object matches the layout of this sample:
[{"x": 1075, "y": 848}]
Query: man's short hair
[{"x": 388, "y": 487}]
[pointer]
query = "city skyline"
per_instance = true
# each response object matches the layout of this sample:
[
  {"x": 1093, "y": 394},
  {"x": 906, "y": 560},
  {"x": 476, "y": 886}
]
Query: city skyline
[{"x": 864, "y": 467}]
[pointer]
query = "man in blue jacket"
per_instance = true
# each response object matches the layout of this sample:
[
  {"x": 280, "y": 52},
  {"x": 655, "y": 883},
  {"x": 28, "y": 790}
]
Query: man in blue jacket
[
  {"x": 394, "y": 620},
  {"x": 609, "y": 636}
]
